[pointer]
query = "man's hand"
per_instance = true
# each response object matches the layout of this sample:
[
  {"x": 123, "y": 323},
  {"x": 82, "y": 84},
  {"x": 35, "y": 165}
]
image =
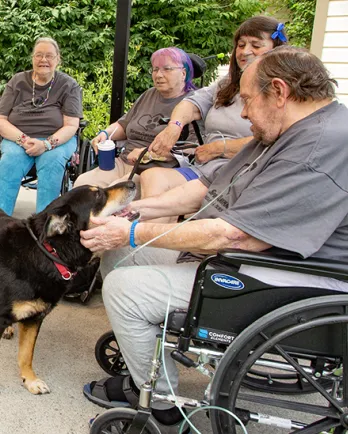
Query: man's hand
[
  {"x": 165, "y": 140},
  {"x": 110, "y": 233},
  {"x": 34, "y": 147},
  {"x": 209, "y": 151}
]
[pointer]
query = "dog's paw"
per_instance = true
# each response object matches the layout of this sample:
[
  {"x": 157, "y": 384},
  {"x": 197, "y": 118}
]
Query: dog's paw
[
  {"x": 36, "y": 387},
  {"x": 8, "y": 333}
]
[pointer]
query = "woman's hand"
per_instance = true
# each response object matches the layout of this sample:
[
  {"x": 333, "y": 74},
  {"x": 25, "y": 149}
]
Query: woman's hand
[
  {"x": 133, "y": 156},
  {"x": 101, "y": 137},
  {"x": 165, "y": 140},
  {"x": 110, "y": 233},
  {"x": 34, "y": 147},
  {"x": 209, "y": 151}
]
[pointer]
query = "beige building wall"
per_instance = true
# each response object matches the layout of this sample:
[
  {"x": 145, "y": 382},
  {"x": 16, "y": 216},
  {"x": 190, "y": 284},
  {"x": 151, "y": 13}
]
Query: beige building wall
[{"x": 330, "y": 41}]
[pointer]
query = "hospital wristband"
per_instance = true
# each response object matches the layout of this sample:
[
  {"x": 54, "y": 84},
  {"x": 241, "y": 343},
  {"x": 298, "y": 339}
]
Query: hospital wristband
[
  {"x": 132, "y": 234},
  {"x": 178, "y": 123},
  {"x": 105, "y": 132}
]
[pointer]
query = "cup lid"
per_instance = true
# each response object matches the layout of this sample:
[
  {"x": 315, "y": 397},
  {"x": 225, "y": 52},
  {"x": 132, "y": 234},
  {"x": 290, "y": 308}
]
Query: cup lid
[{"x": 107, "y": 145}]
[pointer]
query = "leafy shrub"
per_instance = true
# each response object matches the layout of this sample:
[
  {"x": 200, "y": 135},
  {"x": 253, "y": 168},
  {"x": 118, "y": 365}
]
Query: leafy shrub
[
  {"x": 85, "y": 29},
  {"x": 298, "y": 17},
  {"x": 300, "y": 26}
]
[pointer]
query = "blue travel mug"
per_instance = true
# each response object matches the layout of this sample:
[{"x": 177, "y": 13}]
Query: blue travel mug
[{"x": 106, "y": 155}]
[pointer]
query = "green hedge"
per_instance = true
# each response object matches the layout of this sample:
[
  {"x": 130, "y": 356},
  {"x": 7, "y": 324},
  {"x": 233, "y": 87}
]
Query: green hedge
[{"x": 85, "y": 32}]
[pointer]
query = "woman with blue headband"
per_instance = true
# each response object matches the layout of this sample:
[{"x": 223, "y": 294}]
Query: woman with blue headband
[{"x": 172, "y": 73}]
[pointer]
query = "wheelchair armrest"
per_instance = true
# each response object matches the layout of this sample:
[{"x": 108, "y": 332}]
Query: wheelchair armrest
[
  {"x": 83, "y": 124},
  {"x": 317, "y": 266}
]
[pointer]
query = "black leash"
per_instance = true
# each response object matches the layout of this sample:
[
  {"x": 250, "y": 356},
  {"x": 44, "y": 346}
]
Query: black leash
[
  {"x": 136, "y": 165},
  {"x": 42, "y": 248}
]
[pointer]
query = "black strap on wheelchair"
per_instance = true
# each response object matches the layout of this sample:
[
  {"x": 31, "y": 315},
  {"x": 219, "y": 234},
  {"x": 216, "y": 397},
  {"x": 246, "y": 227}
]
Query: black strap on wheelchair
[
  {"x": 197, "y": 132},
  {"x": 140, "y": 419}
]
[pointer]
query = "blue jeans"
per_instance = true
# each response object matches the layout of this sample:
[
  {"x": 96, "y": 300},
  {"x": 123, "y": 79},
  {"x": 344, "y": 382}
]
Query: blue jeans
[{"x": 15, "y": 164}]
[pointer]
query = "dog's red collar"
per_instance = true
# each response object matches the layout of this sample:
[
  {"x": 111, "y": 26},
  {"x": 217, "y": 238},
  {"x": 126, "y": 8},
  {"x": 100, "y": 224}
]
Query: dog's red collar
[{"x": 64, "y": 271}]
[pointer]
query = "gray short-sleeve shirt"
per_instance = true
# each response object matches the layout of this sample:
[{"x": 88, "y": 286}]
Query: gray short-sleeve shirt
[
  {"x": 65, "y": 98},
  {"x": 296, "y": 195},
  {"x": 142, "y": 122},
  {"x": 219, "y": 122}
]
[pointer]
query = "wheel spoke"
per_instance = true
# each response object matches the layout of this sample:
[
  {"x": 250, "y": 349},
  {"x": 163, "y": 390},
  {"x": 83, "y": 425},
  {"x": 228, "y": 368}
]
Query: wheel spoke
[
  {"x": 110, "y": 347},
  {"x": 282, "y": 403},
  {"x": 309, "y": 378}
]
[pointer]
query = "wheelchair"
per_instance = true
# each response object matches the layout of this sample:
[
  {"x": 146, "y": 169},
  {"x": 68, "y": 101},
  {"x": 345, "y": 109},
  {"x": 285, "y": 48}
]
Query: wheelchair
[{"x": 275, "y": 356}]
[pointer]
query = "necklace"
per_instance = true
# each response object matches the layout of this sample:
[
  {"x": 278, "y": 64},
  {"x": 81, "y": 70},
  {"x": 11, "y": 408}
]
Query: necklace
[{"x": 48, "y": 94}]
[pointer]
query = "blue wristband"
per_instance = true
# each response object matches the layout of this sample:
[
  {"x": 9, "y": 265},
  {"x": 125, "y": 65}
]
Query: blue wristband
[
  {"x": 105, "y": 132},
  {"x": 132, "y": 233}
]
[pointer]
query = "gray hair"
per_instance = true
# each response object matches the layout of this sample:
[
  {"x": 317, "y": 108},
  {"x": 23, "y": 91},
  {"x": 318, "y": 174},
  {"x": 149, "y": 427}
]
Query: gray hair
[
  {"x": 301, "y": 70},
  {"x": 48, "y": 41}
]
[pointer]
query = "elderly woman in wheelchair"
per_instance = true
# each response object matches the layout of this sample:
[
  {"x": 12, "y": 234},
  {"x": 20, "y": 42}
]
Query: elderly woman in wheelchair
[
  {"x": 280, "y": 194},
  {"x": 172, "y": 73},
  {"x": 40, "y": 111}
]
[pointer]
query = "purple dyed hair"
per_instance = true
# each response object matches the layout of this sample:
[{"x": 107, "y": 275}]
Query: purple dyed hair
[{"x": 179, "y": 57}]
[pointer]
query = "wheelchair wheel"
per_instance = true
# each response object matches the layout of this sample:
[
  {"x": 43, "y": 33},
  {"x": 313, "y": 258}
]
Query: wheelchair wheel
[
  {"x": 66, "y": 182},
  {"x": 87, "y": 157},
  {"x": 118, "y": 421},
  {"x": 108, "y": 355},
  {"x": 288, "y": 339}
]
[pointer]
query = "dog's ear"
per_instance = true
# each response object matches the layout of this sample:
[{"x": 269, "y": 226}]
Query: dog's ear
[{"x": 56, "y": 225}]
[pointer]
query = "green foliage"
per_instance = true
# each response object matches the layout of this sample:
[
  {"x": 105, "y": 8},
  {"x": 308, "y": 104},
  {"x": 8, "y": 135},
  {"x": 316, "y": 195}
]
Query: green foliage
[
  {"x": 298, "y": 17},
  {"x": 300, "y": 26},
  {"x": 97, "y": 94},
  {"x": 203, "y": 27},
  {"x": 85, "y": 30}
]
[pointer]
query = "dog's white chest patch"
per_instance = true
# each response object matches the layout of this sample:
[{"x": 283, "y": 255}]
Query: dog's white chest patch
[{"x": 25, "y": 309}]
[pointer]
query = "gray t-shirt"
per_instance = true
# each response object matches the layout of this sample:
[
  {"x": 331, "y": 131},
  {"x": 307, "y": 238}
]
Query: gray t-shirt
[
  {"x": 296, "y": 196},
  {"x": 218, "y": 123},
  {"x": 141, "y": 122},
  {"x": 65, "y": 98}
]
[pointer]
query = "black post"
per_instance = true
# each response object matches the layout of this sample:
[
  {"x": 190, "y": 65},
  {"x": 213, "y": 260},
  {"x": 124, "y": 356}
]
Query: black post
[{"x": 119, "y": 76}]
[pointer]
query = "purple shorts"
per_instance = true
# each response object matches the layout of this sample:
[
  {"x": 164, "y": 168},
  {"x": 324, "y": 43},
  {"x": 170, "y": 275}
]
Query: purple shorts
[{"x": 188, "y": 173}]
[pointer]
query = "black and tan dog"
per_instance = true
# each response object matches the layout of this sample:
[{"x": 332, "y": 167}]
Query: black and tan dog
[{"x": 37, "y": 258}]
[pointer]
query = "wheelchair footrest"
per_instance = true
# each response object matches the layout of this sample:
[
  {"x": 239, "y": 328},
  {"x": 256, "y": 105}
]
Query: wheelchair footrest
[{"x": 184, "y": 360}]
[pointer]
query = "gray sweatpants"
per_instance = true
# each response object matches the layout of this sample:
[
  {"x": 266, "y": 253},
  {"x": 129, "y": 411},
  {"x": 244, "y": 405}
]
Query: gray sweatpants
[{"x": 136, "y": 296}]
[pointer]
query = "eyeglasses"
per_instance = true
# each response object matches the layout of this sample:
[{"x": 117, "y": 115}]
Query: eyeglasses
[
  {"x": 165, "y": 69},
  {"x": 40, "y": 56},
  {"x": 246, "y": 101}
]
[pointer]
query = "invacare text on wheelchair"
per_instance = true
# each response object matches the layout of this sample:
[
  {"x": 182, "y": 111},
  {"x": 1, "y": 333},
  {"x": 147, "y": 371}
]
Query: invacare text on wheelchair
[{"x": 245, "y": 333}]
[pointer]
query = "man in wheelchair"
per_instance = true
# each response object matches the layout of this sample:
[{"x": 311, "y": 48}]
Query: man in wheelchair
[{"x": 285, "y": 191}]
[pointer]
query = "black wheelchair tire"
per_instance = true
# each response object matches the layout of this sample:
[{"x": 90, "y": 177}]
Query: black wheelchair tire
[
  {"x": 117, "y": 420},
  {"x": 108, "y": 355},
  {"x": 243, "y": 353},
  {"x": 66, "y": 182},
  {"x": 86, "y": 160}
]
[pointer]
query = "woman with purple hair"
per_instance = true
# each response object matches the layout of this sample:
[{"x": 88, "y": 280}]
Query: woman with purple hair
[{"x": 172, "y": 73}]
